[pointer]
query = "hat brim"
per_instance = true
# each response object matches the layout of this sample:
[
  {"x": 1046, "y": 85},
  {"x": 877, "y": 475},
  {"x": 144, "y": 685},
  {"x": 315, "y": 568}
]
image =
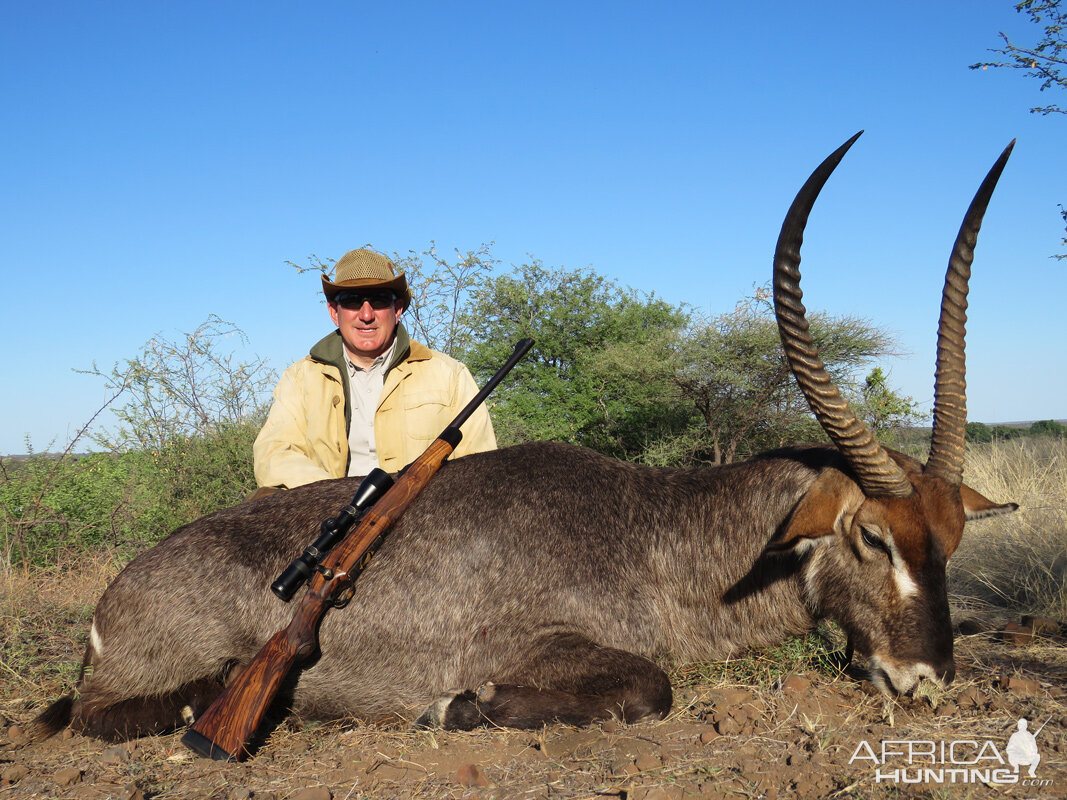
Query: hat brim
[{"x": 398, "y": 285}]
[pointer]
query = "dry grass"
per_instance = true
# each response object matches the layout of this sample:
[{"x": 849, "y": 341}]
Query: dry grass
[
  {"x": 44, "y": 622},
  {"x": 1016, "y": 563}
]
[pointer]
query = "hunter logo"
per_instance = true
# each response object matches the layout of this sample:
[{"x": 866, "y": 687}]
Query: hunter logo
[
  {"x": 960, "y": 761},
  {"x": 1022, "y": 749}
]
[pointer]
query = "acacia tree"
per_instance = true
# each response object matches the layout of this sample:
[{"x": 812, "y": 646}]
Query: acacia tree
[
  {"x": 440, "y": 290},
  {"x": 884, "y": 411},
  {"x": 566, "y": 389},
  {"x": 1044, "y": 60},
  {"x": 183, "y": 388},
  {"x": 732, "y": 370},
  {"x": 192, "y": 410},
  {"x": 635, "y": 378}
]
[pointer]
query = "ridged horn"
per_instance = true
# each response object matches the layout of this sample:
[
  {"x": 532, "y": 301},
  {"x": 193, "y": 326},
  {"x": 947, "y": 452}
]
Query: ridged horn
[
  {"x": 877, "y": 473},
  {"x": 950, "y": 383}
]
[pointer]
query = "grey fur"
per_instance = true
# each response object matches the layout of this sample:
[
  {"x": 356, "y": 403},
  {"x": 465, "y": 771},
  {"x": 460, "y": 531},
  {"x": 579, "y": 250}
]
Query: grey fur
[{"x": 500, "y": 549}]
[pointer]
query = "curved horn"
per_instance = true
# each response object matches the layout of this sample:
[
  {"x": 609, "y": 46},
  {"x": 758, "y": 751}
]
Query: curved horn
[
  {"x": 877, "y": 473},
  {"x": 950, "y": 384}
]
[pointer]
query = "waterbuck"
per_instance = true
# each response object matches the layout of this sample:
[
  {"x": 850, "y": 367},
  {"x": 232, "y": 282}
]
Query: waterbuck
[{"x": 537, "y": 583}]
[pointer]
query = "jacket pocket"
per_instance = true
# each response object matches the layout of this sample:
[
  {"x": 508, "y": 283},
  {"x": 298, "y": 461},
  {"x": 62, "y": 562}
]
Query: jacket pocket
[
  {"x": 427, "y": 413},
  {"x": 426, "y": 397}
]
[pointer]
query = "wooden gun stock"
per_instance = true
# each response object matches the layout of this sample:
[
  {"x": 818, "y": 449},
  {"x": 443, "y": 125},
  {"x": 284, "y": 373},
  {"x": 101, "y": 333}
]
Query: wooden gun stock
[{"x": 224, "y": 730}]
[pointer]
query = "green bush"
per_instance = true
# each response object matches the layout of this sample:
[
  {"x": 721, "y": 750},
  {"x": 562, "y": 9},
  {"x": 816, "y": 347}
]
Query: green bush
[
  {"x": 119, "y": 501},
  {"x": 1048, "y": 427},
  {"x": 978, "y": 432}
]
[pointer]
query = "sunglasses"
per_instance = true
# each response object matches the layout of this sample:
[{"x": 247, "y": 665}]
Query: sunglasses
[{"x": 354, "y": 301}]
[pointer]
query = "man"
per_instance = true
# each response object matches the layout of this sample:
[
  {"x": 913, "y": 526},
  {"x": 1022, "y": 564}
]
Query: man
[{"x": 366, "y": 395}]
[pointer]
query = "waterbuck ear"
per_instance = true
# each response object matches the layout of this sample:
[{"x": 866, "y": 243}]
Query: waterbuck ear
[
  {"x": 832, "y": 497},
  {"x": 978, "y": 506}
]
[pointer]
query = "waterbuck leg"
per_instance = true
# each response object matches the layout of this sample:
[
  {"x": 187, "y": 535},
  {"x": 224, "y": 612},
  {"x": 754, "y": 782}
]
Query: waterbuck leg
[
  {"x": 566, "y": 678},
  {"x": 143, "y": 716}
]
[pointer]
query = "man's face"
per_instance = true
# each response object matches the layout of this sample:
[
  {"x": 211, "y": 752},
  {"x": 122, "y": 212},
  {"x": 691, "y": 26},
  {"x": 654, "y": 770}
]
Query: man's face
[{"x": 367, "y": 321}]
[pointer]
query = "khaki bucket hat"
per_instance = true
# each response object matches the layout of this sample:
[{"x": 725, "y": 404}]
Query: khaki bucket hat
[{"x": 365, "y": 269}]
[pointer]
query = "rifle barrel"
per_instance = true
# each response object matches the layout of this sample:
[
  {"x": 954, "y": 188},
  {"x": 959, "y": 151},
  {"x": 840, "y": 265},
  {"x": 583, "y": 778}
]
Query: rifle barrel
[{"x": 521, "y": 348}]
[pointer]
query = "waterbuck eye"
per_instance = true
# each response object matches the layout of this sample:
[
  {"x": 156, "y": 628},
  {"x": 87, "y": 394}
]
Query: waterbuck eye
[{"x": 873, "y": 540}]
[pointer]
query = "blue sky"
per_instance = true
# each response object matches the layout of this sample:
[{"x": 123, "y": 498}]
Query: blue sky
[{"x": 163, "y": 160}]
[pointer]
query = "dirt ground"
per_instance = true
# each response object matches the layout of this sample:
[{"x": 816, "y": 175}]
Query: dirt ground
[{"x": 814, "y": 734}]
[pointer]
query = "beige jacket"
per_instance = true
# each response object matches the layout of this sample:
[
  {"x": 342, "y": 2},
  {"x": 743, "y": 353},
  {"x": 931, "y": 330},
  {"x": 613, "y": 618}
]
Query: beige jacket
[{"x": 305, "y": 438}]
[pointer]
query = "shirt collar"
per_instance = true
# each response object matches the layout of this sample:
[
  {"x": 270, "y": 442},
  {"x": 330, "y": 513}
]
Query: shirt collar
[{"x": 378, "y": 364}]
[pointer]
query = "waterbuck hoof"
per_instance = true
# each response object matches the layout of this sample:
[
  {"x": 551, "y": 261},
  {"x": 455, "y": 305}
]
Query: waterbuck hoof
[{"x": 434, "y": 715}]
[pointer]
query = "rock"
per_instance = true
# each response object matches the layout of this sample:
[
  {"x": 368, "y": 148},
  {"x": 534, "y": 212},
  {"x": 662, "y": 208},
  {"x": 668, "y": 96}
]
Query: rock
[
  {"x": 120, "y": 754},
  {"x": 579, "y": 744},
  {"x": 471, "y": 775},
  {"x": 651, "y": 793},
  {"x": 1017, "y": 635},
  {"x": 16, "y": 734},
  {"x": 969, "y": 626},
  {"x": 133, "y": 793},
  {"x": 1023, "y": 687},
  {"x": 1042, "y": 625},
  {"x": 314, "y": 793},
  {"x": 1000, "y": 703},
  {"x": 68, "y": 776},
  {"x": 672, "y": 752},
  {"x": 623, "y": 766},
  {"x": 730, "y": 726},
  {"x": 14, "y": 773},
  {"x": 611, "y": 726},
  {"x": 792, "y": 684},
  {"x": 709, "y": 735},
  {"x": 647, "y": 761},
  {"x": 728, "y": 698},
  {"x": 744, "y": 713},
  {"x": 971, "y": 697},
  {"x": 240, "y": 793},
  {"x": 633, "y": 748}
]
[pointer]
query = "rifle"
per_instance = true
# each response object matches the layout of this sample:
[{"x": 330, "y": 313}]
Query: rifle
[{"x": 223, "y": 731}]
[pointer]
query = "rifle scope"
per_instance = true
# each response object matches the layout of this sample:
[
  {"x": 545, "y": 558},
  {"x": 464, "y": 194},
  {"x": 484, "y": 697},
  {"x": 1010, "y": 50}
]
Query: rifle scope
[{"x": 331, "y": 532}]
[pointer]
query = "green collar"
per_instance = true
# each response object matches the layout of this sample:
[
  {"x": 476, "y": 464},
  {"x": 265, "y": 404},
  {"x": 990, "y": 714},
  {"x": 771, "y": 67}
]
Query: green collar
[{"x": 330, "y": 349}]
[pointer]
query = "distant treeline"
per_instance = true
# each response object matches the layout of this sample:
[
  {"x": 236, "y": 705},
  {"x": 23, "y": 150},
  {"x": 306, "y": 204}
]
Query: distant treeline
[{"x": 979, "y": 432}]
